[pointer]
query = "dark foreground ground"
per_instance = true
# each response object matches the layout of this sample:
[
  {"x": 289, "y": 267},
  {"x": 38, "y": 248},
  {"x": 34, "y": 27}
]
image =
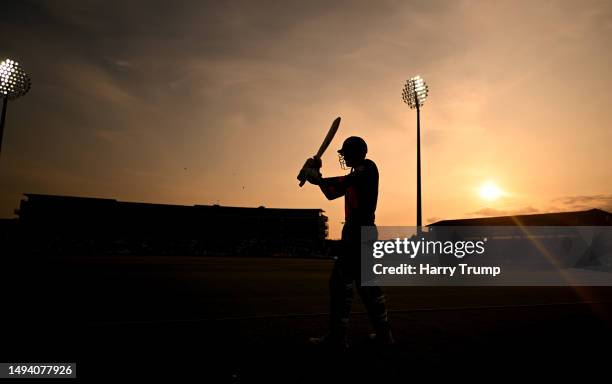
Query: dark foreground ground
[{"x": 248, "y": 319}]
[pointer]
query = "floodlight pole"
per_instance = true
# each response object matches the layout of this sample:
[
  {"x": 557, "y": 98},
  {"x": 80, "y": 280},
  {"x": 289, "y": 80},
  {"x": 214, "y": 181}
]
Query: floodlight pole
[
  {"x": 414, "y": 94},
  {"x": 14, "y": 83},
  {"x": 419, "y": 222},
  {"x": 4, "y": 106}
]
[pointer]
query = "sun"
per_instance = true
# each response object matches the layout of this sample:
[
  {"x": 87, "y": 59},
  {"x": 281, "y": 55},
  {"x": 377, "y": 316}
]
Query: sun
[{"x": 490, "y": 191}]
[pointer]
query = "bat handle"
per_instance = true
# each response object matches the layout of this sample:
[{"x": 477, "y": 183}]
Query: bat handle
[{"x": 301, "y": 176}]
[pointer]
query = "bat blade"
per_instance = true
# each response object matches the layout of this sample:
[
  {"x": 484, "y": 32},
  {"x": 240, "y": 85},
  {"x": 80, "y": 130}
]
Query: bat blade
[{"x": 328, "y": 139}]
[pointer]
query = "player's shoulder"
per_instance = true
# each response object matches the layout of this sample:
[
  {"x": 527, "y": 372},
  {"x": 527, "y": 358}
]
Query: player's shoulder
[
  {"x": 367, "y": 166},
  {"x": 369, "y": 163}
]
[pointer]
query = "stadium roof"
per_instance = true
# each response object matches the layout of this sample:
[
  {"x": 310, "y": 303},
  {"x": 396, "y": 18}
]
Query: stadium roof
[
  {"x": 588, "y": 217},
  {"x": 62, "y": 199}
]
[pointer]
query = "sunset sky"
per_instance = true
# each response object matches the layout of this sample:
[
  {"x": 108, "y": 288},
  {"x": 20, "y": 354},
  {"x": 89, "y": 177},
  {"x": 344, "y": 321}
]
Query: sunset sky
[{"x": 193, "y": 102}]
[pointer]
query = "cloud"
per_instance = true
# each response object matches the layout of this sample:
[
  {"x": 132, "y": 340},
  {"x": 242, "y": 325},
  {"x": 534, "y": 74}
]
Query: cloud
[
  {"x": 562, "y": 204},
  {"x": 584, "y": 202},
  {"x": 93, "y": 82},
  {"x": 489, "y": 212}
]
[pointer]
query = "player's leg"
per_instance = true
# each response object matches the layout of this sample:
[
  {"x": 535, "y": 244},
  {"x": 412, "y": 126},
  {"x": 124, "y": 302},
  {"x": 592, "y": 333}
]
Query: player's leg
[
  {"x": 375, "y": 303},
  {"x": 341, "y": 288},
  {"x": 341, "y": 299}
]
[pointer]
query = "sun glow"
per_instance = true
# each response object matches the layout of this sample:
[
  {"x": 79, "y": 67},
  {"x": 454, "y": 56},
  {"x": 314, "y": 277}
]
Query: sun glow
[{"x": 490, "y": 191}]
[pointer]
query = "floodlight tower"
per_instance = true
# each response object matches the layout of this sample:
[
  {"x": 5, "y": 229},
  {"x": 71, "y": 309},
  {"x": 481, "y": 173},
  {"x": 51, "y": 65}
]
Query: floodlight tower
[
  {"x": 414, "y": 94},
  {"x": 14, "y": 83}
]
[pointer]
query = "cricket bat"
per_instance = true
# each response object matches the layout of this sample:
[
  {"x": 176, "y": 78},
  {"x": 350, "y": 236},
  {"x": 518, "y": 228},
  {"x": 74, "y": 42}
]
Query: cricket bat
[{"x": 328, "y": 139}]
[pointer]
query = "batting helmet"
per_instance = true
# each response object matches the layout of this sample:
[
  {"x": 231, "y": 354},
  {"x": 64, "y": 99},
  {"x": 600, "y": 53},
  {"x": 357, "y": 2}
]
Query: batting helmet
[{"x": 354, "y": 146}]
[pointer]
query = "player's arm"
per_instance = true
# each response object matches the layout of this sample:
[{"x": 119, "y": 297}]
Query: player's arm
[{"x": 333, "y": 187}]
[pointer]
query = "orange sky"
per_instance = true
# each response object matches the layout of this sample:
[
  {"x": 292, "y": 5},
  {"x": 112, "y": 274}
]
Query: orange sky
[{"x": 197, "y": 103}]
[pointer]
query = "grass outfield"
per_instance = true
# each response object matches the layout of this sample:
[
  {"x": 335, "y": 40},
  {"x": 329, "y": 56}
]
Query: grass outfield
[{"x": 244, "y": 313}]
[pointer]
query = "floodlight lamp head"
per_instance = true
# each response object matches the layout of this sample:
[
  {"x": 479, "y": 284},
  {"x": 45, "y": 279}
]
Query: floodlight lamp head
[
  {"x": 14, "y": 82},
  {"x": 415, "y": 92}
]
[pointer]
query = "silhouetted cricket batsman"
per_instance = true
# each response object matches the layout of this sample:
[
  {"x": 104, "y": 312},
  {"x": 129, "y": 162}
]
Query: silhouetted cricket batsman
[{"x": 360, "y": 191}]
